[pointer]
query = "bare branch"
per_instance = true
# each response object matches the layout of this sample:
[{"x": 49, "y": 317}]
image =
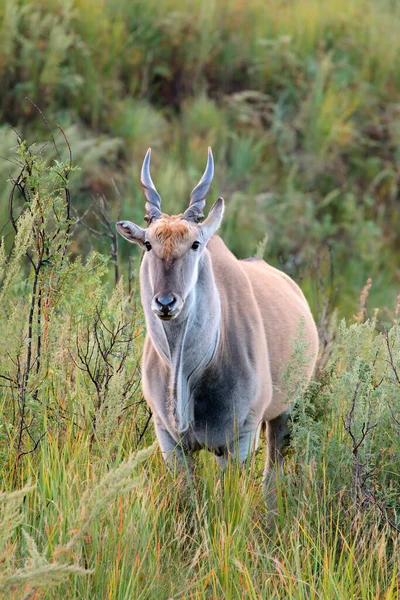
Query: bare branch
[{"x": 48, "y": 126}]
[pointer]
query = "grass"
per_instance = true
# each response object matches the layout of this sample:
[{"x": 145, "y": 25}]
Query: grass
[
  {"x": 88, "y": 509},
  {"x": 299, "y": 101},
  {"x": 219, "y": 543}
]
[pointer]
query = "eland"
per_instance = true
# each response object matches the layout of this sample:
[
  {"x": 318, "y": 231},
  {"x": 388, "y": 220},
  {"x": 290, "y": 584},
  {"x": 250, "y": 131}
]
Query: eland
[{"x": 218, "y": 334}]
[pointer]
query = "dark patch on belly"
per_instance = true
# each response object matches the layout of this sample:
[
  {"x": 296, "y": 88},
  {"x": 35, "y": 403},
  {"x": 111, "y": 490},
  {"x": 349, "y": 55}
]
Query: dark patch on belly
[
  {"x": 211, "y": 398},
  {"x": 215, "y": 396}
]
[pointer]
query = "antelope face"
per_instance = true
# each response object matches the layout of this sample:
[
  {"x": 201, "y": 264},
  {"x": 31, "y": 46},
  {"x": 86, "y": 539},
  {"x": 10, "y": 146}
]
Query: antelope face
[
  {"x": 173, "y": 244},
  {"x": 172, "y": 253}
]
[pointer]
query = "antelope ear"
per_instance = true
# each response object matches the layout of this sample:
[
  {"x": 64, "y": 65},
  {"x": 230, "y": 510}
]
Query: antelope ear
[
  {"x": 213, "y": 221},
  {"x": 131, "y": 232}
]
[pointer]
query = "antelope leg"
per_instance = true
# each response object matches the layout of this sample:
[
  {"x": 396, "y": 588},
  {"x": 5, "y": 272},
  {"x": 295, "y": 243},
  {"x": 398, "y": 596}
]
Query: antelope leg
[
  {"x": 174, "y": 454},
  {"x": 241, "y": 448},
  {"x": 278, "y": 436}
]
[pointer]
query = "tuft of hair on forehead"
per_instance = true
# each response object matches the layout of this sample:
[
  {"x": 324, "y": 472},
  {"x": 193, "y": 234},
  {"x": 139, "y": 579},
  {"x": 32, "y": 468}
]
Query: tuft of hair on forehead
[{"x": 171, "y": 231}]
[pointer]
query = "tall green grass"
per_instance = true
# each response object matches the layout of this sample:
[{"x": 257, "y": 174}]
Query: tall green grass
[
  {"x": 88, "y": 509},
  {"x": 299, "y": 101}
]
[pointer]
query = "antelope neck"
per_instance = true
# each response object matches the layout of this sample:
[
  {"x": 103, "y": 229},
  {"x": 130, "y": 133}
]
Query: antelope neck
[{"x": 190, "y": 343}]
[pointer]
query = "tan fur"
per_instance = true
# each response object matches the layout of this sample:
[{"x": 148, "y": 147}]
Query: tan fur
[
  {"x": 280, "y": 303},
  {"x": 277, "y": 301},
  {"x": 213, "y": 376},
  {"x": 219, "y": 334},
  {"x": 171, "y": 232}
]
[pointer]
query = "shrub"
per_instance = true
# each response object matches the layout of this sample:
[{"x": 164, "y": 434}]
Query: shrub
[{"x": 85, "y": 512}]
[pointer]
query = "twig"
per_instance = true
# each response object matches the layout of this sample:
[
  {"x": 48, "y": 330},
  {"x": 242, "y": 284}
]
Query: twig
[{"x": 48, "y": 126}]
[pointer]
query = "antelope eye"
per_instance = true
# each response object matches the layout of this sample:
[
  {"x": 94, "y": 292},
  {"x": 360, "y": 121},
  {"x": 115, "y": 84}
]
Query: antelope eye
[
  {"x": 148, "y": 246},
  {"x": 195, "y": 245}
]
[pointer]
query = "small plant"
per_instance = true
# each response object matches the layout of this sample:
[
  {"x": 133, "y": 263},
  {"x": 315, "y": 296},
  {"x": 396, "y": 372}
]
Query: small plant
[
  {"x": 42, "y": 226},
  {"x": 84, "y": 514}
]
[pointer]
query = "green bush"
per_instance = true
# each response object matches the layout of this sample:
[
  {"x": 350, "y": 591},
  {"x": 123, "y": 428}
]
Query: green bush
[
  {"x": 298, "y": 100},
  {"x": 87, "y": 512}
]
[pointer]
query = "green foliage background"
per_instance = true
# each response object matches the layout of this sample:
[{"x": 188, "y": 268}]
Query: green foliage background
[{"x": 300, "y": 102}]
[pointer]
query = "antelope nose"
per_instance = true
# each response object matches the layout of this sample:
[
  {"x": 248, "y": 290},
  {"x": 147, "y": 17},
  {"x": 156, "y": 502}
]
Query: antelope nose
[{"x": 165, "y": 304}]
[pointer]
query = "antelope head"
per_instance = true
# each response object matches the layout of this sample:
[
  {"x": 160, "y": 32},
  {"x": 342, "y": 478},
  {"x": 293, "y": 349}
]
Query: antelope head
[{"x": 175, "y": 244}]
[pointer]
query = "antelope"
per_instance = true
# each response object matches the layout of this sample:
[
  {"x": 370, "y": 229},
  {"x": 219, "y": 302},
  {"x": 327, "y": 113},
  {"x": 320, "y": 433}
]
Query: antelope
[{"x": 218, "y": 334}]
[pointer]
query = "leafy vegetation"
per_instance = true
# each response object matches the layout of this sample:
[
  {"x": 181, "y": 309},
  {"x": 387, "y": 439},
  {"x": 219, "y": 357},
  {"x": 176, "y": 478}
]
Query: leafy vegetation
[
  {"x": 299, "y": 101},
  {"x": 88, "y": 509}
]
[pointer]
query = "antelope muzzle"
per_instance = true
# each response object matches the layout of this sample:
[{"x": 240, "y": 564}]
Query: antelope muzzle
[{"x": 166, "y": 306}]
